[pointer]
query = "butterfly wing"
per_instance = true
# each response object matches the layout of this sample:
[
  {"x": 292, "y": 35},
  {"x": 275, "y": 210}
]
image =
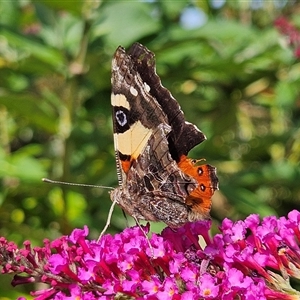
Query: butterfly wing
[
  {"x": 136, "y": 113},
  {"x": 184, "y": 135},
  {"x": 157, "y": 181}
]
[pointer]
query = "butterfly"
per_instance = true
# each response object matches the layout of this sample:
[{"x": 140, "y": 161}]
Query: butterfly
[{"x": 157, "y": 181}]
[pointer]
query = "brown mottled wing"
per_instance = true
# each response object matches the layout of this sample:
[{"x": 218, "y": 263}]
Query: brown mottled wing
[{"x": 156, "y": 188}]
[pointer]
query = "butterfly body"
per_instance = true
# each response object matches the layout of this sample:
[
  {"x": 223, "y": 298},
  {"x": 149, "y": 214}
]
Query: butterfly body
[{"x": 157, "y": 182}]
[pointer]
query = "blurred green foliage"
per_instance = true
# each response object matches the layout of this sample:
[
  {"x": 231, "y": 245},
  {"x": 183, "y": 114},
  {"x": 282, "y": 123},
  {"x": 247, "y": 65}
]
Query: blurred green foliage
[{"x": 234, "y": 77}]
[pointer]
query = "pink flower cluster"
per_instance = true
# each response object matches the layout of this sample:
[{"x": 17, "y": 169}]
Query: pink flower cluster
[
  {"x": 248, "y": 259},
  {"x": 291, "y": 32}
]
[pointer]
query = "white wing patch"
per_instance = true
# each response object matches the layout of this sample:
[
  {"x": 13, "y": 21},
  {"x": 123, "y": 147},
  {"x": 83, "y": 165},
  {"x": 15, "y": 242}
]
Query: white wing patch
[
  {"x": 134, "y": 140},
  {"x": 119, "y": 100}
]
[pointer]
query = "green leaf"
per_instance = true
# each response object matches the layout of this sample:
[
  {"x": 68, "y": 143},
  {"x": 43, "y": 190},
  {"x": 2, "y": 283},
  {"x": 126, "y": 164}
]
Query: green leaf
[
  {"x": 127, "y": 22},
  {"x": 32, "y": 108},
  {"x": 30, "y": 46}
]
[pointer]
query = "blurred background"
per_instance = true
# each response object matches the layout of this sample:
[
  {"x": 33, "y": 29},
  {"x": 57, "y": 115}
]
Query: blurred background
[{"x": 232, "y": 65}]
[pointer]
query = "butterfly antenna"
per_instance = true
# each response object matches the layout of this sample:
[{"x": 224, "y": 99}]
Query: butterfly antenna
[
  {"x": 76, "y": 184},
  {"x": 93, "y": 186}
]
